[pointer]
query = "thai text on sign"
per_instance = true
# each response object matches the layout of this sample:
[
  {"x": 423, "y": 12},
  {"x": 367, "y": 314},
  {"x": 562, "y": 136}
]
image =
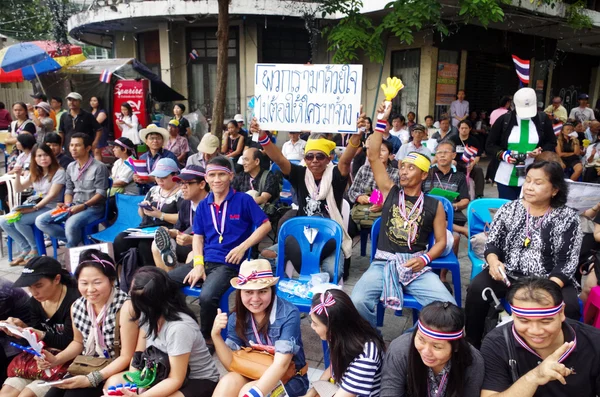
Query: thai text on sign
[{"x": 319, "y": 98}]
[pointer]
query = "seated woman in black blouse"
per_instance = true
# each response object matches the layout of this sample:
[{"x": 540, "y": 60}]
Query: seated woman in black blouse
[
  {"x": 164, "y": 199},
  {"x": 537, "y": 235}
]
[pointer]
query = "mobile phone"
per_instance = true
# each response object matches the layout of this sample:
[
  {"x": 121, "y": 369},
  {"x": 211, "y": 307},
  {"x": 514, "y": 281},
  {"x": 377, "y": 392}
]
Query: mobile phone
[{"x": 53, "y": 383}]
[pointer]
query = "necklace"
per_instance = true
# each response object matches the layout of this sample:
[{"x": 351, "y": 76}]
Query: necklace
[
  {"x": 46, "y": 304},
  {"x": 410, "y": 221},
  {"x": 527, "y": 240}
]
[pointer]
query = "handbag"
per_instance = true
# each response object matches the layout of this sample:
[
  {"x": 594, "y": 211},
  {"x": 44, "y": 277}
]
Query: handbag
[
  {"x": 253, "y": 362},
  {"x": 362, "y": 215},
  {"x": 152, "y": 366},
  {"x": 25, "y": 366}
]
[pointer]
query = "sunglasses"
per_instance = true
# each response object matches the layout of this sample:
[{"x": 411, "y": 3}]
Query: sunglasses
[{"x": 311, "y": 156}]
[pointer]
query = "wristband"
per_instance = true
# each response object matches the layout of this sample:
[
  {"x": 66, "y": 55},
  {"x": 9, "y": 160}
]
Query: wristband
[
  {"x": 425, "y": 258},
  {"x": 506, "y": 156},
  {"x": 254, "y": 392},
  {"x": 198, "y": 260},
  {"x": 264, "y": 141},
  {"x": 352, "y": 145},
  {"x": 380, "y": 126},
  {"x": 162, "y": 216}
]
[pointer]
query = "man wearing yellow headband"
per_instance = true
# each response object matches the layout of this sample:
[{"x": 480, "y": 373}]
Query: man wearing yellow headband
[
  {"x": 319, "y": 189},
  {"x": 408, "y": 218}
]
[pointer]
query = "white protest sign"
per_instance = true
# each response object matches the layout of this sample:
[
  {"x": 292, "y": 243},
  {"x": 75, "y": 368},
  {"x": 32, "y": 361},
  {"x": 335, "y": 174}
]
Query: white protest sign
[
  {"x": 318, "y": 98},
  {"x": 583, "y": 196}
]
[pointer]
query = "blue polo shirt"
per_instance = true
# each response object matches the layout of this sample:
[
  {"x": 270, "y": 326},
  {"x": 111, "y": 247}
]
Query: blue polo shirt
[
  {"x": 162, "y": 153},
  {"x": 242, "y": 217}
]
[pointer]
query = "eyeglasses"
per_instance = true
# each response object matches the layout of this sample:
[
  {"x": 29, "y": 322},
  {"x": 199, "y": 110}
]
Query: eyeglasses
[
  {"x": 155, "y": 138},
  {"x": 444, "y": 152},
  {"x": 186, "y": 183},
  {"x": 311, "y": 156}
]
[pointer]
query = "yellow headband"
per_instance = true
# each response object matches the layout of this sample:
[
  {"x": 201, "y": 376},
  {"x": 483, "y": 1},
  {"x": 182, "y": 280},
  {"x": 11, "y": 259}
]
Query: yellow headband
[
  {"x": 421, "y": 161},
  {"x": 324, "y": 145}
]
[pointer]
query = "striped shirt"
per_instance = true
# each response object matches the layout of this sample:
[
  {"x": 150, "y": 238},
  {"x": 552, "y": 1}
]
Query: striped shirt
[{"x": 363, "y": 376}]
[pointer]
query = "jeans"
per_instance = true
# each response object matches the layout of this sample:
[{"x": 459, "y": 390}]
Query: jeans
[
  {"x": 508, "y": 192},
  {"x": 73, "y": 230},
  {"x": 144, "y": 247},
  {"x": 426, "y": 288},
  {"x": 22, "y": 231},
  {"x": 216, "y": 284}
]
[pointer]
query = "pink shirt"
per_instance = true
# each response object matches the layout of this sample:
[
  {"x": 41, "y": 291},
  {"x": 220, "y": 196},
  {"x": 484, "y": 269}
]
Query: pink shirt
[{"x": 497, "y": 113}]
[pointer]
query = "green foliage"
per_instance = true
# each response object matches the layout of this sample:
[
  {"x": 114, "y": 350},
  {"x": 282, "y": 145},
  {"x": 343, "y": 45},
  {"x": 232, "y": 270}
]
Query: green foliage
[
  {"x": 576, "y": 18},
  {"x": 25, "y": 20}
]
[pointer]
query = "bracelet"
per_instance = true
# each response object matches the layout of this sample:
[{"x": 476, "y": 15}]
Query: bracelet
[
  {"x": 352, "y": 145},
  {"x": 264, "y": 141},
  {"x": 425, "y": 258},
  {"x": 381, "y": 126},
  {"x": 254, "y": 392},
  {"x": 162, "y": 216},
  {"x": 95, "y": 378},
  {"x": 198, "y": 260}
]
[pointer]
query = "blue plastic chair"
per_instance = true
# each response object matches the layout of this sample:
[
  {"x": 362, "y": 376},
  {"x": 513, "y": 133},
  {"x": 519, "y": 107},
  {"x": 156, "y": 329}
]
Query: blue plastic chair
[
  {"x": 127, "y": 217},
  {"x": 287, "y": 187},
  {"x": 311, "y": 256},
  {"x": 478, "y": 215},
  {"x": 39, "y": 243},
  {"x": 223, "y": 302}
]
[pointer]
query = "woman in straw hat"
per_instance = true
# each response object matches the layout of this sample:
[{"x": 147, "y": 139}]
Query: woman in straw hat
[{"x": 260, "y": 317}]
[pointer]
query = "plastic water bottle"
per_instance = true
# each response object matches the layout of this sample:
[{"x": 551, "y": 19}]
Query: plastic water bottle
[{"x": 287, "y": 286}]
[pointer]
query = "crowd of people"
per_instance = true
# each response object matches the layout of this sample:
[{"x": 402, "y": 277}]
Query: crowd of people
[{"x": 110, "y": 333}]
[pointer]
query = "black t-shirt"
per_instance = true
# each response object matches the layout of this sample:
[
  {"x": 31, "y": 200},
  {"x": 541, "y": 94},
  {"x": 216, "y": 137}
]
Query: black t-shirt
[
  {"x": 393, "y": 235},
  {"x": 452, "y": 181},
  {"x": 472, "y": 142},
  {"x": 296, "y": 178},
  {"x": 58, "y": 328},
  {"x": 64, "y": 160},
  {"x": 185, "y": 219},
  {"x": 14, "y": 302},
  {"x": 585, "y": 360},
  {"x": 26, "y": 126},
  {"x": 84, "y": 122},
  {"x": 184, "y": 124}
]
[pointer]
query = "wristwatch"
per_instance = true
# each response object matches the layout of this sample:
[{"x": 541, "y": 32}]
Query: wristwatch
[
  {"x": 85, "y": 206},
  {"x": 162, "y": 216}
]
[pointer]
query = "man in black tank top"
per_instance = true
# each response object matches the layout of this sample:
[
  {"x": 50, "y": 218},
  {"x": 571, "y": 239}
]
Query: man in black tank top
[{"x": 408, "y": 218}]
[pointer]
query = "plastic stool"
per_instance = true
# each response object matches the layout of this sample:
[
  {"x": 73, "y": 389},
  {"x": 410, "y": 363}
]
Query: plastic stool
[{"x": 591, "y": 313}]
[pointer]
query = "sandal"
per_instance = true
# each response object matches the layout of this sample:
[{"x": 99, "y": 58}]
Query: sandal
[
  {"x": 17, "y": 261},
  {"x": 163, "y": 243},
  {"x": 30, "y": 256}
]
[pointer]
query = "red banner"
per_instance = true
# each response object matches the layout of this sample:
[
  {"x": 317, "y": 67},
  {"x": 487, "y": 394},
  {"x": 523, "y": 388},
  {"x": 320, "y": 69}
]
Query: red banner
[{"x": 135, "y": 93}]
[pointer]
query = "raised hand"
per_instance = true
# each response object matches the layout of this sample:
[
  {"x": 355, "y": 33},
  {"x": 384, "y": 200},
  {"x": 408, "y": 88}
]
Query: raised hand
[{"x": 550, "y": 369}]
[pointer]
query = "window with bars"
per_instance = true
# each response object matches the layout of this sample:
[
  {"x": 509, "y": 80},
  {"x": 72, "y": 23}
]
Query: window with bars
[{"x": 406, "y": 65}]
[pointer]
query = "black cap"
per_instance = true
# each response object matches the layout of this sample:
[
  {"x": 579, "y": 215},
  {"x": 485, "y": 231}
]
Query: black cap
[
  {"x": 41, "y": 96},
  {"x": 583, "y": 96},
  {"x": 190, "y": 173},
  {"x": 37, "y": 268}
]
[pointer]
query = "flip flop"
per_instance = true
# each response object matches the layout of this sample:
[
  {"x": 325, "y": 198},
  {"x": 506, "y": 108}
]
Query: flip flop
[{"x": 163, "y": 243}]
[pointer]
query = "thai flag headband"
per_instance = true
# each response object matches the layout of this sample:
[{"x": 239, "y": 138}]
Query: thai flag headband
[
  {"x": 535, "y": 312},
  {"x": 255, "y": 275},
  {"x": 118, "y": 142},
  {"x": 212, "y": 167},
  {"x": 438, "y": 335},
  {"x": 186, "y": 171}
]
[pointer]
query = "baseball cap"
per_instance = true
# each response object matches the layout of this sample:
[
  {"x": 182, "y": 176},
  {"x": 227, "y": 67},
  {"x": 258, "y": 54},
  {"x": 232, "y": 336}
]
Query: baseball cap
[
  {"x": 174, "y": 122},
  {"x": 239, "y": 118},
  {"x": 525, "y": 102},
  {"x": 165, "y": 167},
  {"x": 209, "y": 144},
  {"x": 37, "y": 268},
  {"x": 419, "y": 127},
  {"x": 125, "y": 143},
  {"x": 75, "y": 95},
  {"x": 189, "y": 173},
  {"x": 583, "y": 96},
  {"x": 39, "y": 95}
]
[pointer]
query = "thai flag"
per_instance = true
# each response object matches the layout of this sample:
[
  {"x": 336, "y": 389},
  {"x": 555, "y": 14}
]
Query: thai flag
[
  {"x": 522, "y": 68},
  {"x": 557, "y": 128},
  {"x": 194, "y": 55},
  {"x": 469, "y": 154},
  {"x": 139, "y": 167},
  {"x": 105, "y": 76}
]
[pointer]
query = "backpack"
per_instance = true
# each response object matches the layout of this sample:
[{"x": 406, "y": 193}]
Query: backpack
[
  {"x": 129, "y": 265},
  {"x": 268, "y": 208},
  {"x": 507, "y": 127}
]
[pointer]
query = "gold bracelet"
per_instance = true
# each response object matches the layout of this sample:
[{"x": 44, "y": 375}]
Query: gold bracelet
[{"x": 350, "y": 143}]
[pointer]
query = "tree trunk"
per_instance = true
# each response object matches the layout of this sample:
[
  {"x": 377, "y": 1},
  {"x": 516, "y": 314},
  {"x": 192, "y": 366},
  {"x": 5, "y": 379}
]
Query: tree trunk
[{"x": 222, "y": 58}]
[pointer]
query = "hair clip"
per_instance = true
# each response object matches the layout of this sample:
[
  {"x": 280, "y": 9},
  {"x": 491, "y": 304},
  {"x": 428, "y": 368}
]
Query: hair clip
[{"x": 325, "y": 303}]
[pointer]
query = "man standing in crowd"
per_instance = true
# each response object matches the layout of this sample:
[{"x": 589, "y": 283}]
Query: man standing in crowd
[
  {"x": 419, "y": 134},
  {"x": 399, "y": 129},
  {"x": 226, "y": 226},
  {"x": 85, "y": 193},
  {"x": 294, "y": 148},
  {"x": 459, "y": 109},
  {"x": 583, "y": 112},
  {"x": 505, "y": 103},
  {"x": 261, "y": 184},
  {"x": 408, "y": 218},
  {"x": 556, "y": 111},
  {"x": 78, "y": 120},
  {"x": 39, "y": 97},
  {"x": 541, "y": 352},
  {"x": 57, "y": 106},
  {"x": 155, "y": 138},
  {"x": 54, "y": 141},
  {"x": 174, "y": 246}
]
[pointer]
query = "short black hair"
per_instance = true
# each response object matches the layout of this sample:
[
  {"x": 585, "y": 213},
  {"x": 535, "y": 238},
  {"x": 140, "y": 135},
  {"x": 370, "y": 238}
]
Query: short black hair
[
  {"x": 98, "y": 260},
  {"x": 2, "y": 106},
  {"x": 222, "y": 161},
  {"x": 395, "y": 116},
  {"x": 27, "y": 141},
  {"x": 504, "y": 100},
  {"x": 429, "y": 117},
  {"x": 87, "y": 140},
  {"x": 532, "y": 286},
  {"x": 53, "y": 137},
  {"x": 180, "y": 106},
  {"x": 58, "y": 99},
  {"x": 447, "y": 142},
  {"x": 557, "y": 178},
  {"x": 388, "y": 145},
  {"x": 467, "y": 122}
]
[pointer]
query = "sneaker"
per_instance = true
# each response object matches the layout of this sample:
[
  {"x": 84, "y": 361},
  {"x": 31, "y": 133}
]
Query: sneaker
[{"x": 163, "y": 243}]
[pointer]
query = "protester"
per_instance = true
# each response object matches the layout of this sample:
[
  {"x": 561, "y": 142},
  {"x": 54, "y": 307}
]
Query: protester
[
  {"x": 552, "y": 355},
  {"x": 5, "y": 118},
  {"x": 503, "y": 108},
  {"x": 53, "y": 292},
  {"x": 102, "y": 311},
  {"x": 177, "y": 144},
  {"x": 165, "y": 201},
  {"x": 434, "y": 359},
  {"x": 468, "y": 155},
  {"x": 37, "y": 99},
  {"x": 569, "y": 150},
  {"x": 77, "y": 120},
  {"x": 57, "y": 106},
  {"x": 294, "y": 148},
  {"x": 169, "y": 325},
  {"x": 102, "y": 118},
  {"x": 239, "y": 119},
  {"x": 411, "y": 120},
  {"x": 43, "y": 122},
  {"x": 319, "y": 188},
  {"x": 233, "y": 143},
  {"x": 556, "y": 111},
  {"x": 128, "y": 123},
  {"x": 86, "y": 189},
  {"x": 121, "y": 173},
  {"x": 534, "y": 236},
  {"x": 208, "y": 148},
  {"x": 174, "y": 246},
  {"x": 407, "y": 221},
  {"x": 227, "y": 224},
  {"x": 20, "y": 124},
  {"x": 261, "y": 184},
  {"x": 260, "y": 317},
  {"x": 54, "y": 141},
  {"x": 361, "y": 156},
  {"x": 25, "y": 144},
  {"x": 48, "y": 180},
  {"x": 399, "y": 129},
  {"x": 155, "y": 138},
  {"x": 459, "y": 109},
  {"x": 444, "y": 132},
  {"x": 184, "y": 124},
  {"x": 583, "y": 112},
  {"x": 515, "y": 139},
  {"x": 356, "y": 349},
  {"x": 419, "y": 134}
]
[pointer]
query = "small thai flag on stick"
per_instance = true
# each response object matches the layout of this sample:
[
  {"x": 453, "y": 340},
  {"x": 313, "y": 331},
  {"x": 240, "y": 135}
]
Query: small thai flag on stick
[
  {"x": 469, "y": 154},
  {"x": 522, "y": 68},
  {"x": 557, "y": 128},
  {"x": 106, "y": 76},
  {"x": 194, "y": 55}
]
